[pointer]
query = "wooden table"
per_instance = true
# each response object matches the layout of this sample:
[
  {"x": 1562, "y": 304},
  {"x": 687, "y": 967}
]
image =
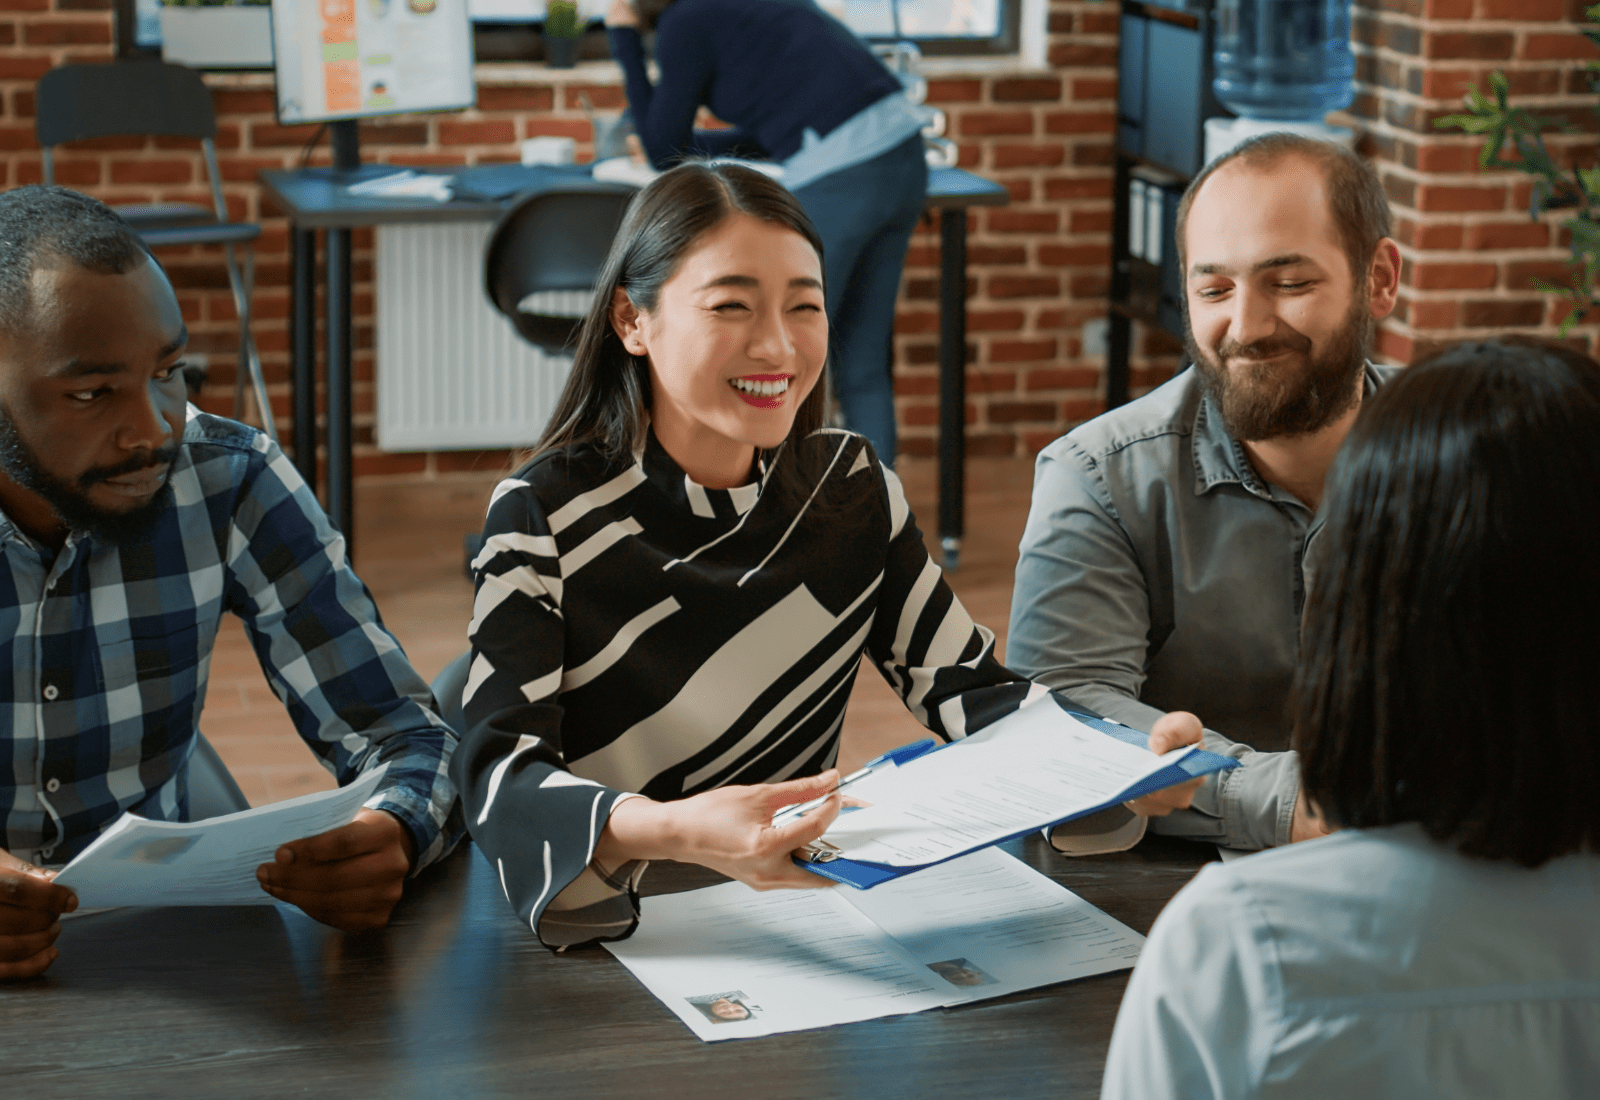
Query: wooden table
[
  {"x": 456, "y": 999},
  {"x": 319, "y": 198}
]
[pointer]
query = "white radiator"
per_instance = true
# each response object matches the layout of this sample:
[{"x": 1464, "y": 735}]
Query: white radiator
[{"x": 452, "y": 374}]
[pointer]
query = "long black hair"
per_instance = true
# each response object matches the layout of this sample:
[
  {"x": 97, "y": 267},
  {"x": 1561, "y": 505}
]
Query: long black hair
[
  {"x": 607, "y": 396},
  {"x": 1450, "y": 670}
]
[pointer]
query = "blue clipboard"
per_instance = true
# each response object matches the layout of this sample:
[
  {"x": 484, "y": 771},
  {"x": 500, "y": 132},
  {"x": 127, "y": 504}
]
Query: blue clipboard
[{"x": 1193, "y": 765}]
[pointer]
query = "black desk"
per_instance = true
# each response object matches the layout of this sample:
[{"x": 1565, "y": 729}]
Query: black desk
[
  {"x": 456, "y": 999},
  {"x": 313, "y": 199}
]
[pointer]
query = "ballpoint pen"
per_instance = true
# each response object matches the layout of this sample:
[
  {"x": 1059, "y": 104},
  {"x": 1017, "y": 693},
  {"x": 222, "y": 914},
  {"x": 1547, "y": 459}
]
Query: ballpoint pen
[{"x": 892, "y": 758}]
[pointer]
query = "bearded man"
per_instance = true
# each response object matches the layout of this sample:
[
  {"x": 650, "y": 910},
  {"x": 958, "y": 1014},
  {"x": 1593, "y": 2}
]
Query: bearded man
[{"x": 1171, "y": 542}]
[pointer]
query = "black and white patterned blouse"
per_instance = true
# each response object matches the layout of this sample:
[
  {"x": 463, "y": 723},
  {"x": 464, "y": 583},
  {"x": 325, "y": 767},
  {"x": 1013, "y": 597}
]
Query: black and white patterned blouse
[{"x": 636, "y": 632}]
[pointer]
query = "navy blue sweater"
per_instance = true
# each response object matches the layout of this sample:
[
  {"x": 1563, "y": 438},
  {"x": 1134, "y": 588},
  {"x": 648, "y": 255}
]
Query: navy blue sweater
[{"x": 771, "y": 68}]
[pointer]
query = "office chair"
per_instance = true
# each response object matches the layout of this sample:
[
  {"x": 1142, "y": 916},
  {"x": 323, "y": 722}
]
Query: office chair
[
  {"x": 551, "y": 241},
  {"x": 212, "y": 791},
  {"x": 448, "y": 687},
  {"x": 545, "y": 252},
  {"x": 78, "y": 102}
]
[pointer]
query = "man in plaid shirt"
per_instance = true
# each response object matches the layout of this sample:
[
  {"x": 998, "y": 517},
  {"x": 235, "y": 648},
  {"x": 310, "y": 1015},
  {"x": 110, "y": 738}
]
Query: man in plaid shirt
[{"x": 129, "y": 522}]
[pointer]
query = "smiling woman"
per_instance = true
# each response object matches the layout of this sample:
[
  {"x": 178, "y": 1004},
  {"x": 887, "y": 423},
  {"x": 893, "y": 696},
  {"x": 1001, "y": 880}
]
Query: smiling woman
[{"x": 675, "y": 592}]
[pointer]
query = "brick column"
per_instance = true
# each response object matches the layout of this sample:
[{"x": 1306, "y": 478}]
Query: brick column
[{"x": 1470, "y": 250}]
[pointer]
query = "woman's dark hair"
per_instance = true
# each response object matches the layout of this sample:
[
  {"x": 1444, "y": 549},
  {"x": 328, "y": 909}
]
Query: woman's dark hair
[
  {"x": 608, "y": 392},
  {"x": 1450, "y": 671}
]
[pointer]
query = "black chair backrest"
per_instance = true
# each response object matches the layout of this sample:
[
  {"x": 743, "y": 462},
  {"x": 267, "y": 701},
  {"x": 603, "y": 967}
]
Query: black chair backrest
[
  {"x": 78, "y": 102},
  {"x": 551, "y": 240}
]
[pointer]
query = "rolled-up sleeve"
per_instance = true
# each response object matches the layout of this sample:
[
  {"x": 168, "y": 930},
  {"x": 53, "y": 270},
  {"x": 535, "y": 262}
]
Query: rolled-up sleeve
[{"x": 1081, "y": 624}]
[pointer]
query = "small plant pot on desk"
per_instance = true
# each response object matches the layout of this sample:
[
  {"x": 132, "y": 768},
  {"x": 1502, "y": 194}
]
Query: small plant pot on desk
[
  {"x": 562, "y": 29},
  {"x": 560, "y": 53}
]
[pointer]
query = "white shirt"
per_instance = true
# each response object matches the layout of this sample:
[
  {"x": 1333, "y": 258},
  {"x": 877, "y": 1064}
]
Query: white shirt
[{"x": 1371, "y": 964}]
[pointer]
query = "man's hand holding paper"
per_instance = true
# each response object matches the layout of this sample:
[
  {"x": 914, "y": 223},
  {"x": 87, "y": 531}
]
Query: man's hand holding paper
[
  {"x": 349, "y": 877},
  {"x": 338, "y": 862},
  {"x": 1172, "y": 730},
  {"x": 30, "y": 908}
]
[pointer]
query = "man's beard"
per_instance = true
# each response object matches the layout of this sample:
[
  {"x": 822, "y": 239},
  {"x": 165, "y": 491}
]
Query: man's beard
[
  {"x": 70, "y": 501},
  {"x": 1269, "y": 400}
]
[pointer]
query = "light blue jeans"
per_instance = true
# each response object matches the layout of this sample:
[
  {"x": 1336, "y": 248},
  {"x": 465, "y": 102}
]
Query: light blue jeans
[{"x": 865, "y": 214}]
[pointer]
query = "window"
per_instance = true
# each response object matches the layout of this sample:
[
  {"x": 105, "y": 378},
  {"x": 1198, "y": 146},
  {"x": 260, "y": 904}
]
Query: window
[{"x": 938, "y": 27}]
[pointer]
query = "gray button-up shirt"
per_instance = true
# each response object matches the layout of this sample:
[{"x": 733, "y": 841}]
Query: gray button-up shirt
[{"x": 1159, "y": 572}]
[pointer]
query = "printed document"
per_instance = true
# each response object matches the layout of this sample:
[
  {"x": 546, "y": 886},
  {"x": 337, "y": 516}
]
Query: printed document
[
  {"x": 733, "y": 963},
  {"x": 1032, "y": 768},
  {"x": 211, "y": 862}
]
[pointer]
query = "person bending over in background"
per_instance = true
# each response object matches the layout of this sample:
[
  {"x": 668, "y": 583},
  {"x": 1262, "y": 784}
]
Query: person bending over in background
[
  {"x": 1442, "y": 944},
  {"x": 798, "y": 87},
  {"x": 1171, "y": 542},
  {"x": 675, "y": 592},
  {"x": 129, "y": 522}
]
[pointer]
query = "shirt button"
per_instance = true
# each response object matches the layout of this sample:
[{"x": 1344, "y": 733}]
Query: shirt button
[
  {"x": 51, "y": 691},
  {"x": 53, "y": 786}
]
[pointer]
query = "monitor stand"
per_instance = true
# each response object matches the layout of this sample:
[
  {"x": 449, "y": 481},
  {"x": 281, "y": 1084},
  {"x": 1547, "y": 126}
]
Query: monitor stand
[{"x": 345, "y": 139}]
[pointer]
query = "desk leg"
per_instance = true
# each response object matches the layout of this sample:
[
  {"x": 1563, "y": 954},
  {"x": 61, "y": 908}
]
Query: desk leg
[
  {"x": 952, "y": 382},
  {"x": 303, "y": 350},
  {"x": 1119, "y": 345},
  {"x": 340, "y": 505}
]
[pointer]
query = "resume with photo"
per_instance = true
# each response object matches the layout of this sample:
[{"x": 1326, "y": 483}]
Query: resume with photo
[{"x": 733, "y": 963}]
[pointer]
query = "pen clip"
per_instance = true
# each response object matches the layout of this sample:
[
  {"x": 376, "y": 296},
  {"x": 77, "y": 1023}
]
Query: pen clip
[{"x": 820, "y": 851}]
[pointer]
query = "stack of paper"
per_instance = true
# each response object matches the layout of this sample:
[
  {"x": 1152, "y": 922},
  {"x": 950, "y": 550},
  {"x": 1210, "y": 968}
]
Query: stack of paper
[{"x": 212, "y": 862}]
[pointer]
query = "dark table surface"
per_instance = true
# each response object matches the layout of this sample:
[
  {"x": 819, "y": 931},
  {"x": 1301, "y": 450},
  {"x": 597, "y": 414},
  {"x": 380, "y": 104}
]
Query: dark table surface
[{"x": 457, "y": 999}]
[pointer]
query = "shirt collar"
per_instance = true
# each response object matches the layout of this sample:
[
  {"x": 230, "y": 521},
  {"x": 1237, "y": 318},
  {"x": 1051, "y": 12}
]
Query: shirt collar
[{"x": 1219, "y": 459}]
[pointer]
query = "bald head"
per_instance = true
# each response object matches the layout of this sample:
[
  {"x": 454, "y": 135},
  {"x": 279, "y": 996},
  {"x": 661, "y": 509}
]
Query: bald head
[{"x": 1351, "y": 193}]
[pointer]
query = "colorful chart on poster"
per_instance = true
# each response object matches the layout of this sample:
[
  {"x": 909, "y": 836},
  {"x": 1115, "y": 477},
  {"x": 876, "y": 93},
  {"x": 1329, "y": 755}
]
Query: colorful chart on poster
[{"x": 355, "y": 58}]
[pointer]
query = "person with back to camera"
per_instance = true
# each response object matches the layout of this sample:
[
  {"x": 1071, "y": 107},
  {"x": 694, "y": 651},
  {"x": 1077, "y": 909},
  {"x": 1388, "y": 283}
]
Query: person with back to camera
[
  {"x": 1443, "y": 943},
  {"x": 798, "y": 87},
  {"x": 675, "y": 592}
]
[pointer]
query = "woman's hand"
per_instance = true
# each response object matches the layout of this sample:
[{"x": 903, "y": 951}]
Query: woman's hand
[
  {"x": 728, "y": 830},
  {"x": 621, "y": 14},
  {"x": 1173, "y": 730}
]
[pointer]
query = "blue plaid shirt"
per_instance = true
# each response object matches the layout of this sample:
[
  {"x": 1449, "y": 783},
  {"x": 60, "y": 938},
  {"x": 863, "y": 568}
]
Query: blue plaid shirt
[{"x": 109, "y": 649}]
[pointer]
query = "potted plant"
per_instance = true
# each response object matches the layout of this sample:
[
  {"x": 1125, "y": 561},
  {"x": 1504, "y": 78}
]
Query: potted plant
[
  {"x": 217, "y": 34},
  {"x": 562, "y": 29}
]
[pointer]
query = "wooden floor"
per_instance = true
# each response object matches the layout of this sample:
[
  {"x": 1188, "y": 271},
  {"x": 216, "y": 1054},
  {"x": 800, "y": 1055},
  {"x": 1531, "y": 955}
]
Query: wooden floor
[{"x": 408, "y": 550}]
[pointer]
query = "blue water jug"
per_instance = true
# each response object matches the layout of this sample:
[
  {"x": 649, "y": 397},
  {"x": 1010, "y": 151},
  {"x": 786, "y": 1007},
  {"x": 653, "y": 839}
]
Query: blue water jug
[{"x": 1283, "y": 59}]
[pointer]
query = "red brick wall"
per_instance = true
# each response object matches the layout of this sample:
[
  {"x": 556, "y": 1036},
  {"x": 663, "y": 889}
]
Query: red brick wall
[
  {"x": 1469, "y": 247},
  {"x": 1038, "y": 267}
]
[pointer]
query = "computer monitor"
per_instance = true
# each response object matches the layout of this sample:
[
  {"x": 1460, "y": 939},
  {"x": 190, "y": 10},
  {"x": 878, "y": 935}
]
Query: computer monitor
[{"x": 341, "y": 60}]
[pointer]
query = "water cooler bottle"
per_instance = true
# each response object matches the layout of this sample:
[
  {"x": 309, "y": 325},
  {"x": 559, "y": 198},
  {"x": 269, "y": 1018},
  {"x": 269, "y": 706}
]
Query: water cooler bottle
[{"x": 1280, "y": 65}]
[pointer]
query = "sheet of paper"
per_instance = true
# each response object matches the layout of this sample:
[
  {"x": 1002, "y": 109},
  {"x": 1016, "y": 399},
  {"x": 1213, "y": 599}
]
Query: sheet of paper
[
  {"x": 988, "y": 925},
  {"x": 732, "y": 963},
  {"x": 1031, "y": 768},
  {"x": 211, "y": 862}
]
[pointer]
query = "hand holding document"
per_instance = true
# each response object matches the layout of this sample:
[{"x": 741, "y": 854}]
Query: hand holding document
[
  {"x": 1033, "y": 768},
  {"x": 211, "y": 862},
  {"x": 732, "y": 963}
]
